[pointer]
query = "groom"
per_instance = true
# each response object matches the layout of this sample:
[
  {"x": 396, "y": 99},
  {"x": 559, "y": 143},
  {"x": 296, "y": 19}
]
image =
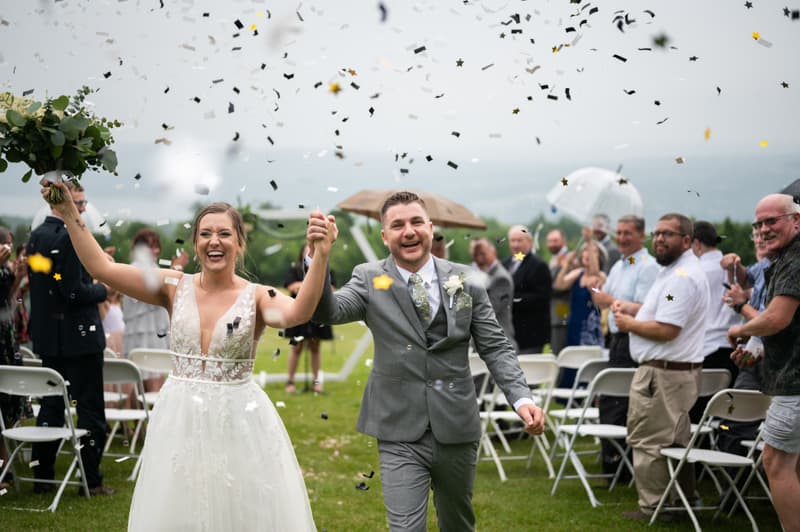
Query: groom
[{"x": 419, "y": 401}]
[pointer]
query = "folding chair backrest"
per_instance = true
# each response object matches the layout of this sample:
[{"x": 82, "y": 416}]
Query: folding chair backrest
[
  {"x": 476, "y": 365},
  {"x": 120, "y": 371},
  {"x": 738, "y": 405},
  {"x": 575, "y": 355},
  {"x": 614, "y": 382},
  {"x": 22, "y": 380},
  {"x": 589, "y": 370},
  {"x": 538, "y": 371},
  {"x": 26, "y": 353},
  {"x": 32, "y": 362},
  {"x": 155, "y": 360},
  {"x": 713, "y": 380},
  {"x": 110, "y": 353}
]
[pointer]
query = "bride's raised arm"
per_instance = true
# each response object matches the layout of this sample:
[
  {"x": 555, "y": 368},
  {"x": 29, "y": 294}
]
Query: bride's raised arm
[
  {"x": 125, "y": 278},
  {"x": 280, "y": 310}
]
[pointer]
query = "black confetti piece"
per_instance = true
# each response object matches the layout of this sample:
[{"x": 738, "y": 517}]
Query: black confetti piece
[
  {"x": 617, "y": 56},
  {"x": 230, "y": 328},
  {"x": 419, "y": 50},
  {"x": 662, "y": 121},
  {"x": 277, "y": 353},
  {"x": 324, "y": 416},
  {"x": 362, "y": 486},
  {"x": 107, "y": 75},
  {"x": 273, "y": 184},
  {"x": 629, "y": 92},
  {"x": 567, "y": 93},
  {"x": 370, "y": 475},
  {"x": 230, "y": 107},
  {"x": 452, "y": 165},
  {"x": 456, "y": 134},
  {"x": 236, "y": 137},
  {"x": 429, "y": 158},
  {"x": 236, "y": 321},
  {"x": 27, "y": 92},
  {"x": 552, "y": 97},
  {"x": 196, "y": 99},
  {"x": 238, "y": 24},
  {"x": 137, "y": 177},
  {"x": 371, "y": 111},
  {"x": 271, "y": 292},
  {"x": 166, "y": 90},
  {"x": 179, "y": 241},
  {"x": 288, "y": 76}
]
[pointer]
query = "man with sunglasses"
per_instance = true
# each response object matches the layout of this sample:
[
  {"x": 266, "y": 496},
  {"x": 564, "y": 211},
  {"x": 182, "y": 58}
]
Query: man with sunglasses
[
  {"x": 666, "y": 340},
  {"x": 778, "y": 224}
]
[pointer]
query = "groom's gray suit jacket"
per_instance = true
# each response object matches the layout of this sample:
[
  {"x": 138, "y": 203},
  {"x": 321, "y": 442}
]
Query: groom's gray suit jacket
[{"x": 413, "y": 385}]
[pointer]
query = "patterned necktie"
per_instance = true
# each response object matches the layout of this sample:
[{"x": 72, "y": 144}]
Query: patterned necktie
[{"x": 420, "y": 297}]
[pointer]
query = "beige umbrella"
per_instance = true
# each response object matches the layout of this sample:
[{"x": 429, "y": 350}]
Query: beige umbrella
[{"x": 442, "y": 211}]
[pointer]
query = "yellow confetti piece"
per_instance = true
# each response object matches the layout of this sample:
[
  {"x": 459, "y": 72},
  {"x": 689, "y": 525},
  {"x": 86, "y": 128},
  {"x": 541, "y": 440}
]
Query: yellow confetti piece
[
  {"x": 39, "y": 263},
  {"x": 519, "y": 256},
  {"x": 253, "y": 27},
  {"x": 763, "y": 143},
  {"x": 382, "y": 282},
  {"x": 707, "y": 133},
  {"x": 756, "y": 36},
  {"x": 680, "y": 272},
  {"x": 57, "y": 276},
  {"x": 335, "y": 88},
  {"x": 351, "y": 71},
  {"x": 260, "y": 14}
]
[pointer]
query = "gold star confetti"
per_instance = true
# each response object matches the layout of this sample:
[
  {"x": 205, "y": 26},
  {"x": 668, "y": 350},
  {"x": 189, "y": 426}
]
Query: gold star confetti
[
  {"x": 632, "y": 259},
  {"x": 57, "y": 276},
  {"x": 756, "y": 36},
  {"x": 669, "y": 297},
  {"x": 564, "y": 181},
  {"x": 680, "y": 272},
  {"x": 39, "y": 263},
  {"x": 622, "y": 181},
  {"x": 515, "y": 111},
  {"x": 707, "y": 133},
  {"x": 351, "y": 71},
  {"x": 555, "y": 49},
  {"x": 382, "y": 282},
  {"x": 784, "y": 84},
  {"x": 335, "y": 88},
  {"x": 519, "y": 256},
  {"x": 763, "y": 143}
]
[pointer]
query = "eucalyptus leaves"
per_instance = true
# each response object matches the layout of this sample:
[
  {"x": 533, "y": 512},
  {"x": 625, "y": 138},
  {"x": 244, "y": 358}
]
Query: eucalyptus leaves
[{"x": 60, "y": 134}]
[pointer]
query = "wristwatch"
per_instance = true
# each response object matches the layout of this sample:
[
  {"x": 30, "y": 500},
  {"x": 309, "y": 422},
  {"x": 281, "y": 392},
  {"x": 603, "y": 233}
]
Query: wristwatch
[{"x": 737, "y": 308}]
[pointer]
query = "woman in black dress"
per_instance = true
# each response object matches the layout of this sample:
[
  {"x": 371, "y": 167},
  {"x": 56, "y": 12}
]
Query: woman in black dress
[{"x": 308, "y": 334}]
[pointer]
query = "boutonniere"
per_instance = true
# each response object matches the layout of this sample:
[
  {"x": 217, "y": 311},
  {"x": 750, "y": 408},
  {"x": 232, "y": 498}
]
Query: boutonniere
[{"x": 454, "y": 286}]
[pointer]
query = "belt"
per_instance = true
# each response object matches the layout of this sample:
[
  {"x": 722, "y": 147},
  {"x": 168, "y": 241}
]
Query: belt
[{"x": 666, "y": 364}]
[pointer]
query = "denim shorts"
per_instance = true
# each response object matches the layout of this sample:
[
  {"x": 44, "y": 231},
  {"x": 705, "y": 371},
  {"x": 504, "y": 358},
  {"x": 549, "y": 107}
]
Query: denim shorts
[{"x": 782, "y": 426}]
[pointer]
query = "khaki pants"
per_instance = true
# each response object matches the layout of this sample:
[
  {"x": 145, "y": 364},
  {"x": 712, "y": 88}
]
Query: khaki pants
[{"x": 658, "y": 417}]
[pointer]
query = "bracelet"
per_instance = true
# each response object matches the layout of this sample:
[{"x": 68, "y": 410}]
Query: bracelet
[{"x": 737, "y": 308}]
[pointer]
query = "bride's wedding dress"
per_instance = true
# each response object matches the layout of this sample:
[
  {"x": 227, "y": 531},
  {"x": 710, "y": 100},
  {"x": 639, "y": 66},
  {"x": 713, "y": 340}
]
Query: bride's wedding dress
[{"x": 217, "y": 456}]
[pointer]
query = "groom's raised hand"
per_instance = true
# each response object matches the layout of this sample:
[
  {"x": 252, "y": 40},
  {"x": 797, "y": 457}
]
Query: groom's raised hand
[
  {"x": 322, "y": 232},
  {"x": 533, "y": 417}
]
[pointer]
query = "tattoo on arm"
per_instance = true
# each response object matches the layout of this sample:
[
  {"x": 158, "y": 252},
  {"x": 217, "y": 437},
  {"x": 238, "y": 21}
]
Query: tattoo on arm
[{"x": 80, "y": 224}]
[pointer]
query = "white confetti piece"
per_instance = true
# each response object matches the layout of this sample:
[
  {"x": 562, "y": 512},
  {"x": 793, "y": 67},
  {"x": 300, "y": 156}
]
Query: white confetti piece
[
  {"x": 164, "y": 262},
  {"x": 34, "y": 463},
  {"x": 280, "y": 404},
  {"x": 171, "y": 280},
  {"x": 121, "y": 459},
  {"x": 162, "y": 222}
]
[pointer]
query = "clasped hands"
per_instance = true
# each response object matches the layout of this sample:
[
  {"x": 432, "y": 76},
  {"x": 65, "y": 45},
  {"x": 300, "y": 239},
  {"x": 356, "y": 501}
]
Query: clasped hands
[
  {"x": 322, "y": 232},
  {"x": 624, "y": 314}
]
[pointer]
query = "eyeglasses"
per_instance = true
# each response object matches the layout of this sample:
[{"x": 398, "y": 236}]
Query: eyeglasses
[
  {"x": 665, "y": 234},
  {"x": 769, "y": 222},
  {"x": 80, "y": 203}
]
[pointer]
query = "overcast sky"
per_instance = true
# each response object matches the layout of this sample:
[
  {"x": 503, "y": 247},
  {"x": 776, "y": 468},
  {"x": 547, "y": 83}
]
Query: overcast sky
[{"x": 523, "y": 114}]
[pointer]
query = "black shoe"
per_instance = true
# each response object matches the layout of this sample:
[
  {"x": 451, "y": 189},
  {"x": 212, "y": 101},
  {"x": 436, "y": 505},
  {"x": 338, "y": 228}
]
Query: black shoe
[
  {"x": 97, "y": 491},
  {"x": 40, "y": 487}
]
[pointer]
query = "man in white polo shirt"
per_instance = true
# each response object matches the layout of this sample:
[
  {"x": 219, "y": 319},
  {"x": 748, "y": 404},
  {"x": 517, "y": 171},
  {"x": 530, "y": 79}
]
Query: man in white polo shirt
[{"x": 666, "y": 340}]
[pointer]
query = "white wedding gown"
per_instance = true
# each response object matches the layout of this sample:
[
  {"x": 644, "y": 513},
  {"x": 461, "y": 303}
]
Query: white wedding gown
[{"x": 217, "y": 456}]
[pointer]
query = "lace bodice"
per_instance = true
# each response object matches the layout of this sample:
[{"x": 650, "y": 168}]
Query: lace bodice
[{"x": 230, "y": 351}]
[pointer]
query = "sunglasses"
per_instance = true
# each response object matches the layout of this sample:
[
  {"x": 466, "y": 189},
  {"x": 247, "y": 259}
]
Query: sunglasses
[{"x": 81, "y": 203}]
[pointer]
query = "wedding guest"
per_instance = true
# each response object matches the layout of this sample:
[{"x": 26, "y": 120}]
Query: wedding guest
[
  {"x": 716, "y": 350},
  {"x": 601, "y": 227},
  {"x": 307, "y": 334},
  {"x": 533, "y": 286},
  {"x": 68, "y": 334},
  {"x": 628, "y": 283},
  {"x": 22, "y": 298},
  {"x": 145, "y": 325},
  {"x": 559, "y": 303},
  {"x": 583, "y": 322},
  {"x": 210, "y": 407},
  {"x": 499, "y": 284},
  {"x": 439, "y": 246},
  {"x": 11, "y": 273},
  {"x": 778, "y": 222},
  {"x": 666, "y": 340}
]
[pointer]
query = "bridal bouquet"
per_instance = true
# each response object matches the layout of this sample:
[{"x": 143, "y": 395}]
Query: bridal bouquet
[{"x": 60, "y": 136}]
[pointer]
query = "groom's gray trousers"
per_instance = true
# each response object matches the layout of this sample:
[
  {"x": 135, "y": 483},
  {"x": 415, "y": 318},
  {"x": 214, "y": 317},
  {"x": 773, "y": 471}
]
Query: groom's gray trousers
[{"x": 410, "y": 469}]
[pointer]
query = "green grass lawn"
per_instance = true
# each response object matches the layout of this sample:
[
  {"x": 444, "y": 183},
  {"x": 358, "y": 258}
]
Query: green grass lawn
[{"x": 334, "y": 458}]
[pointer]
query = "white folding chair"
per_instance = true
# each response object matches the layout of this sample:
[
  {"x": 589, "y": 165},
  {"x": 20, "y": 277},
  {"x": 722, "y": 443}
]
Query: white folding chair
[
  {"x": 613, "y": 382},
  {"x": 41, "y": 382},
  {"x": 573, "y": 357},
  {"x": 712, "y": 380},
  {"x": 732, "y": 404},
  {"x": 152, "y": 360},
  {"x": 121, "y": 371},
  {"x": 26, "y": 353},
  {"x": 538, "y": 371}
]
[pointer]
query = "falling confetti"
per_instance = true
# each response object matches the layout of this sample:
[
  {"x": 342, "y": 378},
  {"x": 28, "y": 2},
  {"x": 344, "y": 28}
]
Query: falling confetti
[
  {"x": 39, "y": 263},
  {"x": 519, "y": 256},
  {"x": 631, "y": 260},
  {"x": 335, "y": 88},
  {"x": 763, "y": 143},
  {"x": 57, "y": 276},
  {"x": 707, "y": 133},
  {"x": 669, "y": 297},
  {"x": 564, "y": 181}
]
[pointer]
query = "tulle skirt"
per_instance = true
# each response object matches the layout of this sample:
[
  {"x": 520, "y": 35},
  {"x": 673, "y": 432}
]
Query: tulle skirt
[{"x": 217, "y": 457}]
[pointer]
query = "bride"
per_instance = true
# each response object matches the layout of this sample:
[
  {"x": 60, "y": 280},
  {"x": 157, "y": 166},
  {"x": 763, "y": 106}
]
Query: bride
[{"x": 217, "y": 456}]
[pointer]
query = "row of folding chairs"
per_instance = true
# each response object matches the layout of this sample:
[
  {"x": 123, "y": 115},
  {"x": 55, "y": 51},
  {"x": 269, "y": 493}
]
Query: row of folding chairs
[
  {"x": 541, "y": 371},
  {"x": 34, "y": 381}
]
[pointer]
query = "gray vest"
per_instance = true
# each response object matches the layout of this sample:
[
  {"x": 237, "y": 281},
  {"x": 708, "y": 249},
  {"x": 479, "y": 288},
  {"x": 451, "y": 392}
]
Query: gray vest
[{"x": 437, "y": 328}]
